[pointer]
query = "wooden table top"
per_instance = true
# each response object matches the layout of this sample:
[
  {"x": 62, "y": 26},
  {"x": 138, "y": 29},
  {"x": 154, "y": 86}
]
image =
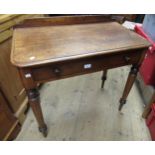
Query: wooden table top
[{"x": 41, "y": 45}]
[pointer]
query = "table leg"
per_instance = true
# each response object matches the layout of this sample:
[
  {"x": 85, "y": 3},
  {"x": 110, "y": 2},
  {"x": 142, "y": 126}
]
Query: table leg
[
  {"x": 131, "y": 78},
  {"x": 34, "y": 101},
  {"x": 104, "y": 77}
]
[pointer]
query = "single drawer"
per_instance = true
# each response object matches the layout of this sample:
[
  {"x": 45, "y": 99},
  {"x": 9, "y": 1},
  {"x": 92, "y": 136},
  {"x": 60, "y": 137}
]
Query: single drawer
[{"x": 82, "y": 66}]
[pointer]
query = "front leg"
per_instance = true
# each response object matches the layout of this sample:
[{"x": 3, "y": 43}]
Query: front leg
[
  {"x": 34, "y": 101},
  {"x": 131, "y": 78}
]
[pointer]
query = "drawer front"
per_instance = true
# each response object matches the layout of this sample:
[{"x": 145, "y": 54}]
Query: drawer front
[{"x": 83, "y": 66}]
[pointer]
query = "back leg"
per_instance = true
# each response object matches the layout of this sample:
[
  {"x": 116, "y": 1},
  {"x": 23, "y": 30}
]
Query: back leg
[{"x": 104, "y": 77}]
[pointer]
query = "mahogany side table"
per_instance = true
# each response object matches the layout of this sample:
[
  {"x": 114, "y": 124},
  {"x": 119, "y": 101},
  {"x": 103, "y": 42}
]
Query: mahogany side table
[{"x": 47, "y": 49}]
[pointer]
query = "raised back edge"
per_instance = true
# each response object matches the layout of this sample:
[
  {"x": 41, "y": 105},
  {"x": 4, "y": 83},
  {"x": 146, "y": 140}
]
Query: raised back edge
[{"x": 68, "y": 20}]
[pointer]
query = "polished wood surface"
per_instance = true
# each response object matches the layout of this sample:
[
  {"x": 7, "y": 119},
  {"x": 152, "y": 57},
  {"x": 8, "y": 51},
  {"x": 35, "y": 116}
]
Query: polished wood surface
[
  {"x": 44, "y": 53},
  {"x": 56, "y": 43}
]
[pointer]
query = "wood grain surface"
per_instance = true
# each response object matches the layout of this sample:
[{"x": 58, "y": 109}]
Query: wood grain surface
[{"x": 41, "y": 45}]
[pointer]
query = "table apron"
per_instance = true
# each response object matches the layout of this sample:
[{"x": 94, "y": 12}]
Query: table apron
[{"x": 72, "y": 68}]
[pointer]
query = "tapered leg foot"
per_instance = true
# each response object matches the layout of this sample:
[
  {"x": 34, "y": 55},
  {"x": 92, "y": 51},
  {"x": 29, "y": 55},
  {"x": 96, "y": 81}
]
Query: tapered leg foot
[
  {"x": 44, "y": 130},
  {"x": 131, "y": 78},
  {"x": 122, "y": 102},
  {"x": 104, "y": 77}
]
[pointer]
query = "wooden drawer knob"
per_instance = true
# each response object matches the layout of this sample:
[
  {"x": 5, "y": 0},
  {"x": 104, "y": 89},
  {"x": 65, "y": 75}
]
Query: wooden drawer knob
[
  {"x": 127, "y": 59},
  {"x": 57, "y": 71}
]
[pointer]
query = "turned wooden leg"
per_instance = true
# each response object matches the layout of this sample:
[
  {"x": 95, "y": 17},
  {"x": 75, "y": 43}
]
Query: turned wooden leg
[
  {"x": 104, "y": 77},
  {"x": 131, "y": 78},
  {"x": 34, "y": 101}
]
